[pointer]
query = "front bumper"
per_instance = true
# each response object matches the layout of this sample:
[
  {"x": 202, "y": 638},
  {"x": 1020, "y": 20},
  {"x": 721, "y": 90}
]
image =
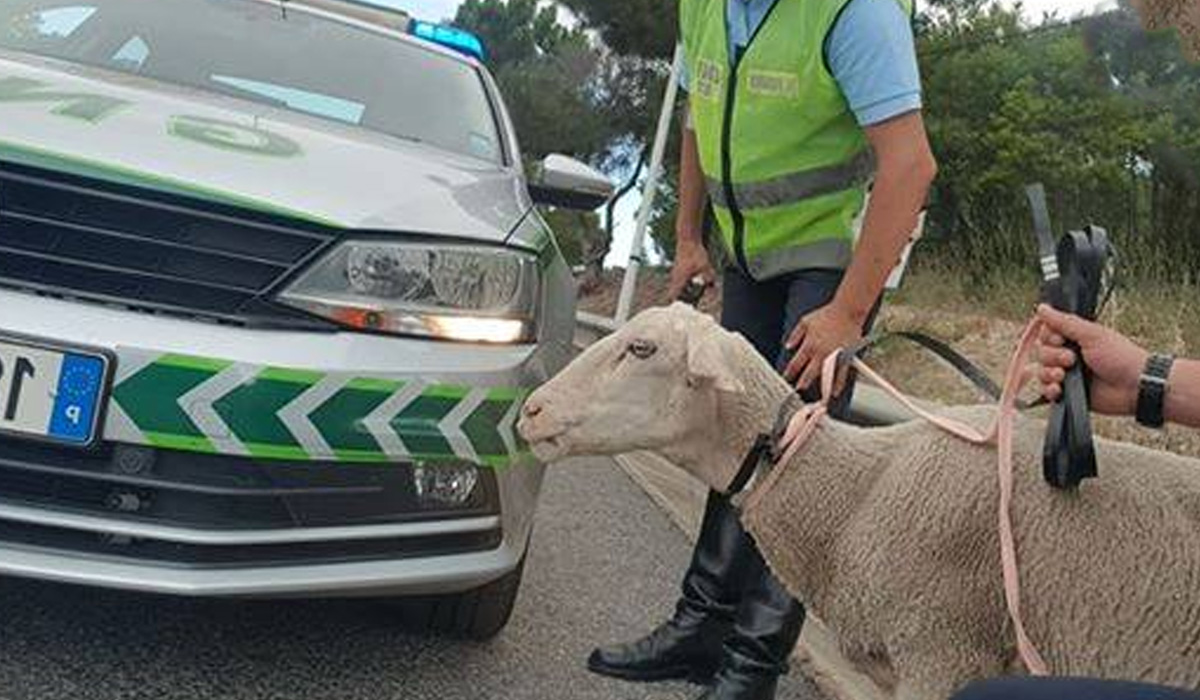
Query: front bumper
[
  {"x": 293, "y": 403},
  {"x": 435, "y": 575}
]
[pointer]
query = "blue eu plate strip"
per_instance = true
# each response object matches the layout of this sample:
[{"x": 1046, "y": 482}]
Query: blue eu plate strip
[{"x": 75, "y": 406}]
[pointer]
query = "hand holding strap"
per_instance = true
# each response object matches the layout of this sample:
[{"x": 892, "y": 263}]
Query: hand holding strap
[
  {"x": 1073, "y": 282},
  {"x": 1069, "y": 456}
]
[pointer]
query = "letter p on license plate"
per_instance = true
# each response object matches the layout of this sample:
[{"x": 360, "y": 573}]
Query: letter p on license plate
[{"x": 51, "y": 393}]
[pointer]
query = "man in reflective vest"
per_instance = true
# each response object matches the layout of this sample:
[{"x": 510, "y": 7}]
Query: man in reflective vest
[{"x": 793, "y": 104}]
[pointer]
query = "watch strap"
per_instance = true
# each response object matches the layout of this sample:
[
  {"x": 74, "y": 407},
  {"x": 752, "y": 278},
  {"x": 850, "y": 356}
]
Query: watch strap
[{"x": 1152, "y": 391}]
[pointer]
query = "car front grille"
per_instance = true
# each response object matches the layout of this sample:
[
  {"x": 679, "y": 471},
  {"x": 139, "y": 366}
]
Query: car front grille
[
  {"x": 147, "y": 250},
  {"x": 218, "y": 494}
]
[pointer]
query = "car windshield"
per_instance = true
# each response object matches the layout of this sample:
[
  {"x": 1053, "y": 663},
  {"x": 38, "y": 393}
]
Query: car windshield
[{"x": 282, "y": 57}]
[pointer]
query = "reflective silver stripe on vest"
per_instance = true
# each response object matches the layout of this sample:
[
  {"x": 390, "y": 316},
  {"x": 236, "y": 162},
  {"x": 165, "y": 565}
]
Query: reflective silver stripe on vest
[
  {"x": 796, "y": 187},
  {"x": 827, "y": 254}
]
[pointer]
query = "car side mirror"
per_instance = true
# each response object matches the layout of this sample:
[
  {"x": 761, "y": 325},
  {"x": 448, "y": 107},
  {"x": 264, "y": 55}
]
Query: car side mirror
[{"x": 565, "y": 182}]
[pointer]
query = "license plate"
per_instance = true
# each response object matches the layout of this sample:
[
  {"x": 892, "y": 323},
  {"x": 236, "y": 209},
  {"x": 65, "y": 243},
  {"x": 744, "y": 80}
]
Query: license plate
[{"x": 50, "y": 393}]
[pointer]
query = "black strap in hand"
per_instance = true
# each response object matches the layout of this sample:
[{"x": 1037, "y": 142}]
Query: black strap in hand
[{"x": 1073, "y": 282}]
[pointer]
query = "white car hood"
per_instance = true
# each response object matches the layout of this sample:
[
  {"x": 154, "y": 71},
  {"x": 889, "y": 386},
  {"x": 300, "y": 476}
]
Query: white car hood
[{"x": 340, "y": 176}]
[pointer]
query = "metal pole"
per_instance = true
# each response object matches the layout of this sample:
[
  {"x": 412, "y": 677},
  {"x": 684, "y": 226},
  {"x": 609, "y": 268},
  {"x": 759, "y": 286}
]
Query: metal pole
[{"x": 629, "y": 284}]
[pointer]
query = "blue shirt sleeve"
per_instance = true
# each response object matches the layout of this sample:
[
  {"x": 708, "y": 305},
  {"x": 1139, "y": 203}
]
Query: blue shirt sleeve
[{"x": 873, "y": 57}]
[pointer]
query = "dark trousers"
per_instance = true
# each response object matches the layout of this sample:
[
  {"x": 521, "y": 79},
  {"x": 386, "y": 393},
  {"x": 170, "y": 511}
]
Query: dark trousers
[
  {"x": 766, "y": 619},
  {"x": 1068, "y": 689}
]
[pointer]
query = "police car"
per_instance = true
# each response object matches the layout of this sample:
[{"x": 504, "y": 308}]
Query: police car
[{"x": 272, "y": 288}]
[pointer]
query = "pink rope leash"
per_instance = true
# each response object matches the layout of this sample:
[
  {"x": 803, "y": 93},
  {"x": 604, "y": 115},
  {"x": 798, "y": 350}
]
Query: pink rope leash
[{"x": 808, "y": 419}]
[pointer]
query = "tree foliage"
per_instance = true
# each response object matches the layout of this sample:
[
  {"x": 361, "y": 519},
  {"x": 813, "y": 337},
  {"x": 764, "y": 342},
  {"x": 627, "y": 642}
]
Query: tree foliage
[
  {"x": 513, "y": 31},
  {"x": 1099, "y": 110},
  {"x": 643, "y": 28},
  {"x": 567, "y": 93}
]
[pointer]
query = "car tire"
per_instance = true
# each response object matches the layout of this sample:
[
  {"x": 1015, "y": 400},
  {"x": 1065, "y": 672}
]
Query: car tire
[{"x": 478, "y": 614}]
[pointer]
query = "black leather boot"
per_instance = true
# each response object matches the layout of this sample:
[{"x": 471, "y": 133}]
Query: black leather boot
[
  {"x": 764, "y": 634},
  {"x": 689, "y": 645}
]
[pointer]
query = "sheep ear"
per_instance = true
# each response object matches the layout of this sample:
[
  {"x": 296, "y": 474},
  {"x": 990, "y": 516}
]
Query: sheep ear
[{"x": 708, "y": 361}]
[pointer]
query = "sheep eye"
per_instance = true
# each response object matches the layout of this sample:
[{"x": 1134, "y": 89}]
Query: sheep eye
[{"x": 642, "y": 349}]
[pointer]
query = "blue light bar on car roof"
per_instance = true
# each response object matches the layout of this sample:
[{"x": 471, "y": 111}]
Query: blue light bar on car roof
[{"x": 451, "y": 37}]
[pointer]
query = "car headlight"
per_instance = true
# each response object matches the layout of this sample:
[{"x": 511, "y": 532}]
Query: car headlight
[{"x": 456, "y": 292}]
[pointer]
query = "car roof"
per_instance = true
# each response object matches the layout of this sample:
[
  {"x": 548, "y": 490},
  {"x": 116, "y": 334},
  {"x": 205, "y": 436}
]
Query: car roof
[
  {"x": 388, "y": 18},
  {"x": 393, "y": 20}
]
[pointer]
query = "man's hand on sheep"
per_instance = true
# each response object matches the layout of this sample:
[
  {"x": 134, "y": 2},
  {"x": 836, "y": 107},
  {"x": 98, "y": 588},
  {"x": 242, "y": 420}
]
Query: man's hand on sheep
[
  {"x": 691, "y": 262},
  {"x": 691, "y": 258},
  {"x": 905, "y": 169},
  {"x": 816, "y": 337}
]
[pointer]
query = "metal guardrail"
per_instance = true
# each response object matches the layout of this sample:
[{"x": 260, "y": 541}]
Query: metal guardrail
[
  {"x": 871, "y": 406},
  {"x": 596, "y": 322},
  {"x": 589, "y": 328}
]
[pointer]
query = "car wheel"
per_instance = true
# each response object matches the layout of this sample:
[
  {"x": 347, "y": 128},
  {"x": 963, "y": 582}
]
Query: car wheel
[{"x": 479, "y": 614}]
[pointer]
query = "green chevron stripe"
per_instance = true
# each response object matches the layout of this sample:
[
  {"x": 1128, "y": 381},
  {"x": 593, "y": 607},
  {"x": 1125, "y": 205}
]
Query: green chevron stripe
[
  {"x": 417, "y": 424},
  {"x": 445, "y": 391},
  {"x": 388, "y": 386},
  {"x": 290, "y": 376},
  {"x": 252, "y": 412},
  {"x": 151, "y": 399},
  {"x": 200, "y": 364},
  {"x": 339, "y": 420},
  {"x": 482, "y": 427}
]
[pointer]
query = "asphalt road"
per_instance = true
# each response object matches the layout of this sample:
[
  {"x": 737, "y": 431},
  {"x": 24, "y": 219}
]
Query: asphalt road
[{"x": 604, "y": 567}]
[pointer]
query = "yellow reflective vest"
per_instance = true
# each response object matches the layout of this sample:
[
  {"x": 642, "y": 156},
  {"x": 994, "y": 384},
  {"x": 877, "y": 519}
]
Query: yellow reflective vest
[{"x": 785, "y": 162}]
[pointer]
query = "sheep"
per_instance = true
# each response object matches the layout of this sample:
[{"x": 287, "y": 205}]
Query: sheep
[{"x": 889, "y": 535}]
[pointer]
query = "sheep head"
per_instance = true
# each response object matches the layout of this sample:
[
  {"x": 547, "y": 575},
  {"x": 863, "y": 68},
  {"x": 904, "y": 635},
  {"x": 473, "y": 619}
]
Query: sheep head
[{"x": 659, "y": 384}]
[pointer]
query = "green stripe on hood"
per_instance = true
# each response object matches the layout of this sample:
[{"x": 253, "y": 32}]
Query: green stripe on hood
[{"x": 49, "y": 160}]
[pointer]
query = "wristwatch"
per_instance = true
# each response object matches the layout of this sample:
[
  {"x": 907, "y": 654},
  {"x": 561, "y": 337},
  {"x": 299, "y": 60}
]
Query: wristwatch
[{"x": 1152, "y": 391}]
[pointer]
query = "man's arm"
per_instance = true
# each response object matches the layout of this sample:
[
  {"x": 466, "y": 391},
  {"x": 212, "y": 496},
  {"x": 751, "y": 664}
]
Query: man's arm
[
  {"x": 691, "y": 187},
  {"x": 906, "y": 168},
  {"x": 872, "y": 55},
  {"x": 691, "y": 258},
  {"x": 1116, "y": 364}
]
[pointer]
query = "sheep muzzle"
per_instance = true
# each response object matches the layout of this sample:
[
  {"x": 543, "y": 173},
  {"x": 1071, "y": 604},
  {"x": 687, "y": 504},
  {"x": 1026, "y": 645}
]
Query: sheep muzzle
[{"x": 542, "y": 428}]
